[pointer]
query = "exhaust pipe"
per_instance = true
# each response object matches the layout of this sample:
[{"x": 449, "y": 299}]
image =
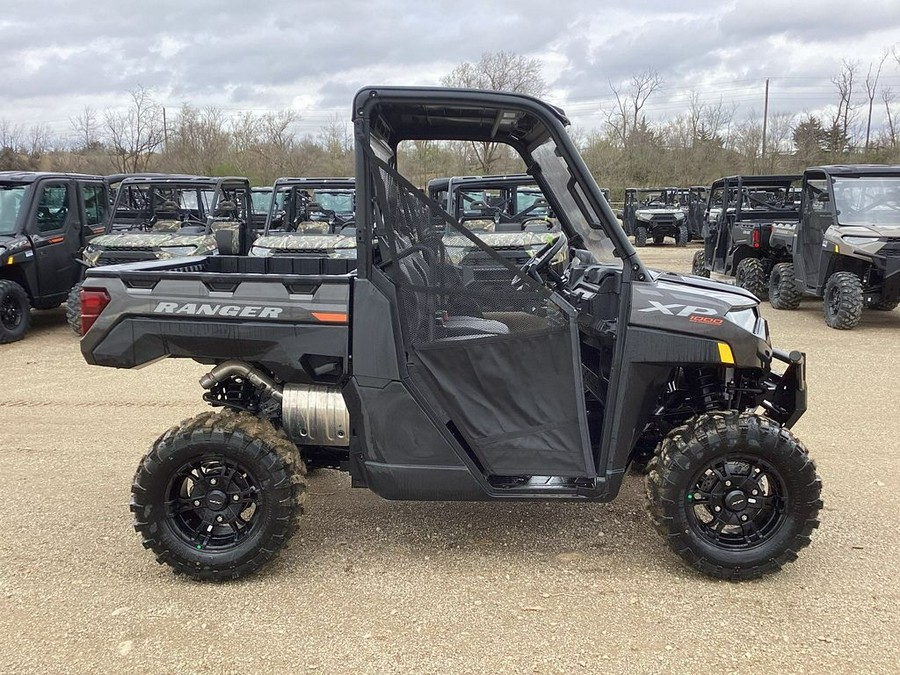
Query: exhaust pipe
[{"x": 238, "y": 368}]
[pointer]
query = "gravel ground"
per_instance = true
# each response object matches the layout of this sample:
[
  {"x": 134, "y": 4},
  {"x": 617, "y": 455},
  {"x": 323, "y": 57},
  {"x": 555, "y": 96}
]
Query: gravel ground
[{"x": 375, "y": 586}]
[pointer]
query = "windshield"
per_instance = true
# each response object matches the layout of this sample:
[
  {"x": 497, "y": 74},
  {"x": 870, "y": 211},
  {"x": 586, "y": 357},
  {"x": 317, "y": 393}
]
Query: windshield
[
  {"x": 338, "y": 201},
  {"x": 867, "y": 200},
  {"x": 148, "y": 207},
  {"x": 261, "y": 199},
  {"x": 10, "y": 203},
  {"x": 573, "y": 209}
]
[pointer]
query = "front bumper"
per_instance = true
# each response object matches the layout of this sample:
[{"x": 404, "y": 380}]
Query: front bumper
[{"x": 785, "y": 398}]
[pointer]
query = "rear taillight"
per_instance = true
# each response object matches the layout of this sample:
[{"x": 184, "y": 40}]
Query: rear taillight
[
  {"x": 755, "y": 238},
  {"x": 93, "y": 302}
]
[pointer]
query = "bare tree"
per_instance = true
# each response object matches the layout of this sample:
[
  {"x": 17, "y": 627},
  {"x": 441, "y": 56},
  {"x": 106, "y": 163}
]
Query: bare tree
[
  {"x": 136, "y": 133},
  {"x": 887, "y": 96},
  {"x": 500, "y": 71},
  {"x": 871, "y": 89},
  {"x": 845, "y": 113},
  {"x": 630, "y": 101},
  {"x": 10, "y": 135},
  {"x": 86, "y": 127}
]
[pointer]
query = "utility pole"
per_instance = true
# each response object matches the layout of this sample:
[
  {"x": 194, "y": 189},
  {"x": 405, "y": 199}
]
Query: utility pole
[{"x": 765, "y": 119}]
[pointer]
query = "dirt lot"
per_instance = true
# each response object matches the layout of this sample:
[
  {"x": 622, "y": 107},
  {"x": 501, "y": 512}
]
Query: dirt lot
[{"x": 375, "y": 586}]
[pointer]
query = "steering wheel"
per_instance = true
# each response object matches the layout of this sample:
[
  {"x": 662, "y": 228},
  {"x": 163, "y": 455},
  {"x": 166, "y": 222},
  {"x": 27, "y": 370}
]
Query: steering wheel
[{"x": 540, "y": 263}]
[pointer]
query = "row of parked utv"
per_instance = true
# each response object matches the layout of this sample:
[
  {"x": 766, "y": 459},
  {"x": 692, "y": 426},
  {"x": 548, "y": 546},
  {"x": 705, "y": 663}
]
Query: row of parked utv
[
  {"x": 832, "y": 233},
  {"x": 54, "y": 226}
]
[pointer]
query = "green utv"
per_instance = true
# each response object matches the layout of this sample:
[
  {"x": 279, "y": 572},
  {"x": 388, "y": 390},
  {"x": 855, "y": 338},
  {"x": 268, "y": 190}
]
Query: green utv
[
  {"x": 310, "y": 218},
  {"x": 426, "y": 382},
  {"x": 45, "y": 221},
  {"x": 161, "y": 216},
  {"x": 845, "y": 248}
]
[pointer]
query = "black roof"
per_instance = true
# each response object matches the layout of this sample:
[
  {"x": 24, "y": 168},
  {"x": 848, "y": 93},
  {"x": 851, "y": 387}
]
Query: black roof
[
  {"x": 314, "y": 183},
  {"x": 498, "y": 180},
  {"x": 768, "y": 179},
  {"x": 421, "y": 113},
  {"x": 858, "y": 169},
  {"x": 32, "y": 176},
  {"x": 180, "y": 179}
]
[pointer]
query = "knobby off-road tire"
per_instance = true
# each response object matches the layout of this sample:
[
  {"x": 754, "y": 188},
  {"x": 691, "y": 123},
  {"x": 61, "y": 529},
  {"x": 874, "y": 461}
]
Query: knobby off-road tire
[
  {"x": 682, "y": 236},
  {"x": 698, "y": 265},
  {"x": 73, "y": 308},
  {"x": 751, "y": 275},
  {"x": 15, "y": 311},
  {"x": 219, "y": 495},
  {"x": 843, "y": 300},
  {"x": 783, "y": 290},
  {"x": 734, "y": 494},
  {"x": 883, "y": 305},
  {"x": 640, "y": 236}
]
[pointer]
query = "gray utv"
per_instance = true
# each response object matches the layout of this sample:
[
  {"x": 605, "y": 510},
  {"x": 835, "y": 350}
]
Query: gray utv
[
  {"x": 426, "y": 383},
  {"x": 845, "y": 248}
]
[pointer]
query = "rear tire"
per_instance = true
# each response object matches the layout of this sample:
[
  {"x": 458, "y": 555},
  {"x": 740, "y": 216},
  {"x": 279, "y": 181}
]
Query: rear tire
[
  {"x": 73, "y": 308},
  {"x": 734, "y": 494},
  {"x": 15, "y": 311},
  {"x": 682, "y": 236},
  {"x": 843, "y": 300},
  {"x": 883, "y": 305},
  {"x": 218, "y": 496},
  {"x": 751, "y": 275},
  {"x": 640, "y": 236},
  {"x": 783, "y": 291},
  {"x": 698, "y": 265}
]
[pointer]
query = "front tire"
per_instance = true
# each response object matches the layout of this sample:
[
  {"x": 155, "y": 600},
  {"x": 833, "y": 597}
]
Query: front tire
[
  {"x": 843, "y": 300},
  {"x": 640, "y": 236},
  {"x": 698, "y": 265},
  {"x": 751, "y": 275},
  {"x": 73, "y": 308},
  {"x": 783, "y": 291},
  {"x": 734, "y": 494},
  {"x": 15, "y": 311},
  {"x": 218, "y": 496},
  {"x": 683, "y": 236}
]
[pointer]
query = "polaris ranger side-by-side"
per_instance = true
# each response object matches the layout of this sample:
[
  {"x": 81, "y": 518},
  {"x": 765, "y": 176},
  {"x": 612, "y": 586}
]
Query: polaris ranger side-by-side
[
  {"x": 45, "y": 221},
  {"x": 161, "y": 216},
  {"x": 654, "y": 214},
  {"x": 310, "y": 217},
  {"x": 425, "y": 383},
  {"x": 845, "y": 248},
  {"x": 738, "y": 241}
]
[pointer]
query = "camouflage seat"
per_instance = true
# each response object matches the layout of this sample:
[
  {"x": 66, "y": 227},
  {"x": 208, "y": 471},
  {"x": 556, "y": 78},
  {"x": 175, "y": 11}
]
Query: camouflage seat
[
  {"x": 232, "y": 226},
  {"x": 313, "y": 227},
  {"x": 167, "y": 225},
  {"x": 480, "y": 225}
]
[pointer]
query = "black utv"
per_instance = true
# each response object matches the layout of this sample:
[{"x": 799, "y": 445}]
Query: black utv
[
  {"x": 425, "y": 383},
  {"x": 654, "y": 214},
  {"x": 310, "y": 217},
  {"x": 845, "y": 248},
  {"x": 693, "y": 202},
  {"x": 45, "y": 221},
  {"x": 738, "y": 241},
  {"x": 161, "y": 216}
]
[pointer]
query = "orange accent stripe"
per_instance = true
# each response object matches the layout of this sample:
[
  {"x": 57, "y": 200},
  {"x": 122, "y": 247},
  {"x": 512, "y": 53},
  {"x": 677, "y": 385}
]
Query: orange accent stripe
[
  {"x": 330, "y": 317},
  {"x": 55, "y": 240}
]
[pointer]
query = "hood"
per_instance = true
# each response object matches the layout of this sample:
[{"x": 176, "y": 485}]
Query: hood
[
  {"x": 883, "y": 231},
  {"x": 296, "y": 241},
  {"x": 151, "y": 240},
  {"x": 719, "y": 291}
]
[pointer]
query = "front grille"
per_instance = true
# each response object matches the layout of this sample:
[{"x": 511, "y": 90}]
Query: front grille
[
  {"x": 301, "y": 253},
  {"x": 122, "y": 256}
]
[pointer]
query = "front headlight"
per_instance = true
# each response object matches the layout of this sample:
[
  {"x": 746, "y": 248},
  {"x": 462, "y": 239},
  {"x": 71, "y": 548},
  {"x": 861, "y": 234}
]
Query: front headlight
[
  {"x": 859, "y": 241},
  {"x": 179, "y": 251},
  {"x": 750, "y": 320},
  {"x": 260, "y": 251}
]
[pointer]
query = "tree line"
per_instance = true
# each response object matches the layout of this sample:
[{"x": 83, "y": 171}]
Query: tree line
[{"x": 701, "y": 143}]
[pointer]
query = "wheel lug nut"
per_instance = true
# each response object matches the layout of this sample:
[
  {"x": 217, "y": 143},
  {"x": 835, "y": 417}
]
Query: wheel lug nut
[
  {"x": 727, "y": 483},
  {"x": 754, "y": 492},
  {"x": 212, "y": 481},
  {"x": 744, "y": 518},
  {"x": 196, "y": 502},
  {"x": 235, "y": 497},
  {"x": 717, "y": 509},
  {"x": 219, "y": 519}
]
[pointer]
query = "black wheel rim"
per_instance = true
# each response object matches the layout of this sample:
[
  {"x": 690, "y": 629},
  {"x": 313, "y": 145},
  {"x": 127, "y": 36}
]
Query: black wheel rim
[
  {"x": 10, "y": 313},
  {"x": 737, "y": 503},
  {"x": 213, "y": 503}
]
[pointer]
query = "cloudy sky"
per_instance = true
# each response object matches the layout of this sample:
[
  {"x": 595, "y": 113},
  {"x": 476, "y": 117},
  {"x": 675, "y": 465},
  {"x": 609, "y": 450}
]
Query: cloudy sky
[{"x": 311, "y": 55}]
